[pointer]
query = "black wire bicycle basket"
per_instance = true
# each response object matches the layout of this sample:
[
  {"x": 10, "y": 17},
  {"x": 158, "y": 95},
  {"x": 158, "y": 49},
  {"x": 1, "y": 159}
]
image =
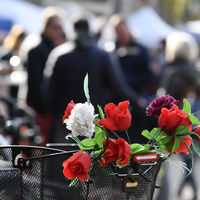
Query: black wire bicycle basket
[{"x": 28, "y": 172}]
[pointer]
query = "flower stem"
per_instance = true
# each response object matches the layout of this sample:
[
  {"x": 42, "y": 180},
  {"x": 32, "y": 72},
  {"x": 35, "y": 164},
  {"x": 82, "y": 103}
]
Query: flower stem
[
  {"x": 104, "y": 148},
  {"x": 115, "y": 134},
  {"x": 154, "y": 137},
  {"x": 151, "y": 141},
  {"x": 166, "y": 157},
  {"x": 195, "y": 113},
  {"x": 97, "y": 158},
  {"x": 164, "y": 139},
  {"x": 88, "y": 184},
  {"x": 129, "y": 141}
]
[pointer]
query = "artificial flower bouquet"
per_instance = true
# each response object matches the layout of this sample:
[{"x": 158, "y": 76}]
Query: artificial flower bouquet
[{"x": 174, "y": 134}]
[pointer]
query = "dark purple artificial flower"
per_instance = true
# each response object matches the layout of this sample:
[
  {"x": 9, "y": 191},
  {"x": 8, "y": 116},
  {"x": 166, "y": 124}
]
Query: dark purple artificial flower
[{"x": 154, "y": 108}]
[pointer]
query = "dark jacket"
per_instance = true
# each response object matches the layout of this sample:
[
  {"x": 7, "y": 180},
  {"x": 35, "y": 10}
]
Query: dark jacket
[
  {"x": 135, "y": 62},
  {"x": 36, "y": 58},
  {"x": 66, "y": 75},
  {"x": 179, "y": 78}
]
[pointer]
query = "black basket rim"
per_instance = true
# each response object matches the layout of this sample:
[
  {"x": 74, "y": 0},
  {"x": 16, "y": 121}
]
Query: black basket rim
[
  {"x": 56, "y": 153},
  {"x": 31, "y": 147}
]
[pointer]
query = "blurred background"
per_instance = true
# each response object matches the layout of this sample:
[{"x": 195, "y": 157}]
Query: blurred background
[
  {"x": 150, "y": 21},
  {"x": 155, "y": 17}
]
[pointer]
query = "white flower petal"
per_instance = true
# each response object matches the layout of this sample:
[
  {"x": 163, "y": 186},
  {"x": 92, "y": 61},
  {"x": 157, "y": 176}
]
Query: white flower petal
[{"x": 81, "y": 120}]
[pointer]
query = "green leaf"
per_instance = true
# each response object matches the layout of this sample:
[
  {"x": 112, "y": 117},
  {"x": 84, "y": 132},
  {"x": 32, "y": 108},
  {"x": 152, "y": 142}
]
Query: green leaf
[
  {"x": 166, "y": 146},
  {"x": 165, "y": 143},
  {"x": 74, "y": 138},
  {"x": 77, "y": 141},
  {"x": 176, "y": 144},
  {"x": 138, "y": 148},
  {"x": 188, "y": 133},
  {"x": 86, "y": 89},
  {"x": 194, "y": 120},
  {"x": 196, "y": 148},
  {"x": 99, "y": 138},
  {"x": 74, "y": 181},
  {"x": 97, "y": 129},
  {"x": 121, "y": 166},
  {"x": 98, "y": 151},
  {"x": 146, "y": 148},
  {"x": 186, "y": 107},
  {"x": 146, "y": 134},
  {"x": 165, "y": 139},
  {"x": 191, "y": 155},
  {"x": 193, "y": 133},
  {"x": 103, "y": 170},
  {"x": 182, "y": 130},
  {"x": 87, "y": 143},
  {"x": 65, "y": 121},
  {"x": 156, "y": 133},
  {"x": 100, "y": 112}
]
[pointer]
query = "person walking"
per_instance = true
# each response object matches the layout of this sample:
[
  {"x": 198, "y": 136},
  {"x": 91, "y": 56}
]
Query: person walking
[
  {"x": 34, "y": 52},
  {"x": 66, "y": 68}
]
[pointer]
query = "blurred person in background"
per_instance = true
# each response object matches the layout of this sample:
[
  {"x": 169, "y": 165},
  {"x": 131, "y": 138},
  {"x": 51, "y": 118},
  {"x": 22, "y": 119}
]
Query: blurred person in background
[
  {"x": 9, "y": 56},
  {"x": 133, "y": 57},
  {"x": 181, "y": 80},
  {"x": 135, "y": 63},
  {"x": 12, "y": 42},
  {"x": 66, "y": 68},
  {"x": 34, "y": 52},
  {"x": 62, "y": 39}
]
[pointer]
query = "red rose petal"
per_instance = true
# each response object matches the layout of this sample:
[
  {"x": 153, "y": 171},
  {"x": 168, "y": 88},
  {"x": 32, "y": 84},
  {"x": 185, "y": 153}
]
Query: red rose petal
[
  {"x": 82, "y": 176},
  {"x": 109, "y": 157},
  {"x": 108, "y": 109},
  {"x": 124, "y": 105},
  {"x": 173, "y": 121},
  {"x": 123, "y": 121},
  {"x": 108, "y": 123}
]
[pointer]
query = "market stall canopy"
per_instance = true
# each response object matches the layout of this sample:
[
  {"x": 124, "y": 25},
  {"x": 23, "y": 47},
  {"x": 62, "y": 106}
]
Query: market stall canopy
[
  {"x": 149, "y": 28},
  {"x": 21, "y": 12},
  {"x": 192, "y": 27},
  {"x": 30, "y": 17},
  {"x": 5, "y": 24}
]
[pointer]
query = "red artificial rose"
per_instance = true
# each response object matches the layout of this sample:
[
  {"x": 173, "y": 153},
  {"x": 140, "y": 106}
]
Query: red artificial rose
[
  {"x": 68, "y": 110},
  {"x": 78, "y": 166},
  {"x": 173, "y": 118},
  {"x": 117, "y": 149},
  {"x": 118, "y": 117},
  {"x": 197, "y": 131},
  {"x": 182, "y": 147}
]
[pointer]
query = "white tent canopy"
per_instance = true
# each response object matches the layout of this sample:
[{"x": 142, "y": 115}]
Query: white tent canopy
[
  {"x": 30, "y": 16},
  {"x": 193, "y": 26},
  {"x": 21, "y": 12},
  {"x": 146, "y": 23},
  {"x": 150, "y": 29}
]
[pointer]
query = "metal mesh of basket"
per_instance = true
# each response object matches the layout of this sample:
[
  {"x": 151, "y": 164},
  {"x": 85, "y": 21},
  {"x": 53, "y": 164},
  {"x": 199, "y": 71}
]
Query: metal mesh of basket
[{"x": 42, "y": 177}]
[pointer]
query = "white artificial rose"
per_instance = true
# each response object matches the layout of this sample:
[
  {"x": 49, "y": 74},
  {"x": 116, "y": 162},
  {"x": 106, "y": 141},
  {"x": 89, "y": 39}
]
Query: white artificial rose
[{"x": 81, "y": 120}]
